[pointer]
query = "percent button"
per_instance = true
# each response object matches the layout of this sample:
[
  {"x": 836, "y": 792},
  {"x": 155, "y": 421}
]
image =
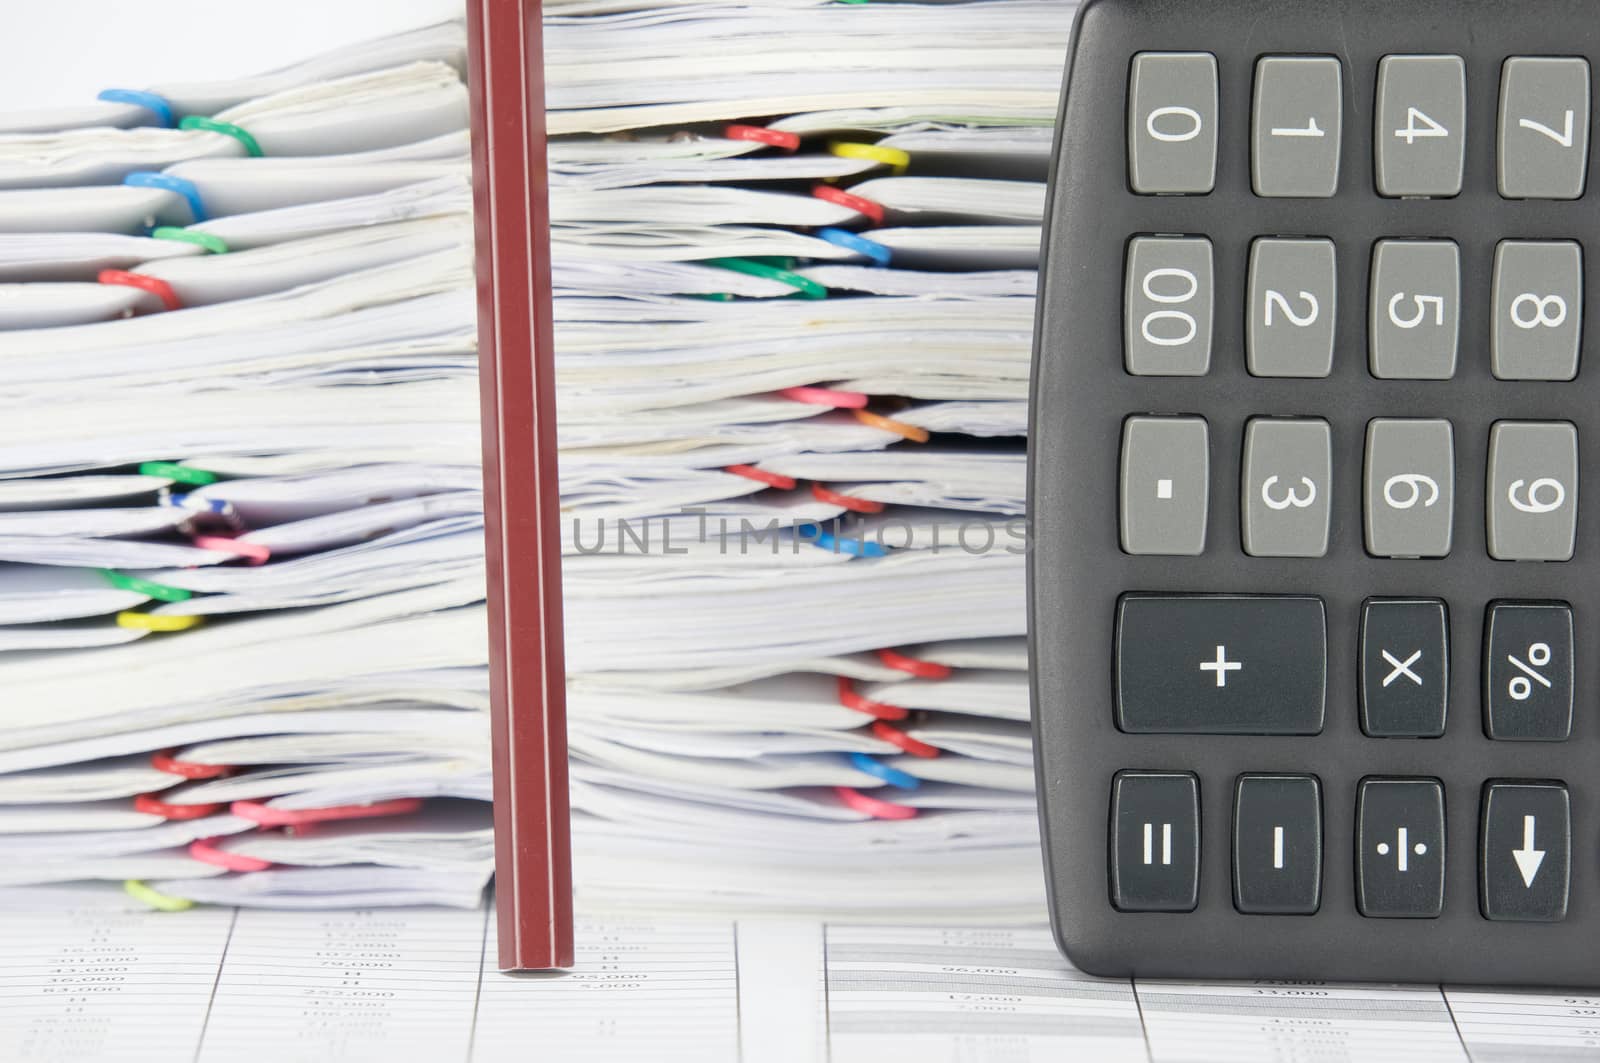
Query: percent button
[{"x": 1528, "y": 671}]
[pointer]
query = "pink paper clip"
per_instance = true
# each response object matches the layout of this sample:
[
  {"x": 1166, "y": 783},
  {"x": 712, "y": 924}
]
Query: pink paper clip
[
  {"x": 839, "y": 400},
  {"x": 153, "y": 806},
  {"x": 873, "y": 806},
  {"x": 205, "y": 850},
  {"x": 266, "y": 816},
  {"x": 253, "y": 553}
]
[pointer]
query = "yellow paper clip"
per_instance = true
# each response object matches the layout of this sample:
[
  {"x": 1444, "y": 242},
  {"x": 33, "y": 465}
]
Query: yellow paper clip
[
  {"x": 136, "y": 621},
  {"x": 159, "y": 901},
  {"x": 898, "y": 161}
]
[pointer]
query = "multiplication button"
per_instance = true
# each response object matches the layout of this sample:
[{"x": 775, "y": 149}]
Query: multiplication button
[
  {"x": 1405, "y": 667},
  {"x": 1400, "y": 848},
  {"x": 1525, "y": 857},
  {"x": 1528, "y": 672}
]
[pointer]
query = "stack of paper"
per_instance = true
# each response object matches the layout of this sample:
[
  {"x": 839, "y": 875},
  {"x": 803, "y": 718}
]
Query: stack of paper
[{"x": 241, "y": 630}]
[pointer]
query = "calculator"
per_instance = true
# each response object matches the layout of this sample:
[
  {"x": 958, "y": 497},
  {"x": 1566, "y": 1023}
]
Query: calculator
[{"x": 1313, "y": 581}]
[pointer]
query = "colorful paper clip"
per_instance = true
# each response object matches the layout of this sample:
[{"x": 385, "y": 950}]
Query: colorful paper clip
[
  {"x": 878, "y": 769},
  {"x": 154, "y": 285},
  {"x": 850, "y": 699},
  {"x": 863, "y": 206},
  {"x": 156, "y": 104},
  {"x": 889, "y": 424},
  {"x": 880, "y": 254},
  {"x": 253, "y": 553},
  {"x": 187, "y": 769},
  {"x": 199, "y": 121},
  {"x": 154, "y": 806},
  {"x": 828, "y": 541},
  {"x": 775, "y": 138},
  {"x": 205, "y": 850},
  {"x": 161, "y": 902},
  {"x": 896, "y": 737},
  {"x": 150, "y": 589},
  {"x": 921, "y": 669},
  {"x": 875, "y": 807},
  {"x": 804, "y": 287},
  {"x": 171, "y": 470},
  {"x": 762, "y": 476},
  {"x": 209, "y": 241},
  {"x": 266, "y": 816},
  {"x": 167, "y": 182},
  {"x": 898, "y": 161},
  {"x": 834, "y": 498},
  {"x": 157, "y": 622},
  {"x": 830, "y": 397}
]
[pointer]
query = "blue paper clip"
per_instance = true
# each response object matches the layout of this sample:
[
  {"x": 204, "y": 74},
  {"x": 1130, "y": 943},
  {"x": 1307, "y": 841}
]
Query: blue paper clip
[
  {"x": 879, "y": 253},
  {"x": 877, "y": 768},
  {"x": 827, "y": 541},
  {"x": 156, "y": 105},
  {"x": 185, "y": 188}
]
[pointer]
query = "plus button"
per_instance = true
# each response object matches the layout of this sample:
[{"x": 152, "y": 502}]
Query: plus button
[{"x": 1221, "y": 666}]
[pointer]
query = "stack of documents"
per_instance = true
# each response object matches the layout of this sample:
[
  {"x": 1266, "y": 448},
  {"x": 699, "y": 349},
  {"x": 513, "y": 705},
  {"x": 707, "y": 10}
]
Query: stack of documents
[{"x": 241, "y": 575}]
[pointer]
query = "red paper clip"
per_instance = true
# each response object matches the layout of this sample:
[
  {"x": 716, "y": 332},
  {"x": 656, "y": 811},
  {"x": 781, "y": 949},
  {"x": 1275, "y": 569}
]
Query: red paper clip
[
  {"x": 154, "y": 285},
  {"x": 205, "y": 850},
  {"x": 188, "y": 769},
  {"x": 852, "y": 700},
  {"x": 267, "y": 816},
  {"x": 921, "y": 669},
  {"x": 771, "y": 479},
  {"x": 854, "y": 505},
  {"x": 875, "y": 807},
  {"x": 863, "y": 206},
  {"x": 839, "y": 400},
  {"x": 150, "y": 804},
  {"x": 896, "y": 737},
  {"x": 775, "y": 138},
  {"x": 254, "y": 553}
]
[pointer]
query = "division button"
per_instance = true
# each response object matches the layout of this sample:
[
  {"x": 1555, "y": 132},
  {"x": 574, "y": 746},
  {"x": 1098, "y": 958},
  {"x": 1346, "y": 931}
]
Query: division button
[
  {"x": 1165, "y": 483},
  {"x": 1172, "y": 123},
  {"x": 1420, "y": 131},
  {"x": 1544, "y": 128},
  {"x": 1527, "y": 671},
  {"x": 1287, "y": 483},
  {"x": 1525, "y": 859},
  {"x": 1220, "y": 664},
  {"x": 1298, "y": 126},
  {"x": 1277, "y": 844},
  {"x": 1405, "y": 672},
  {"x": 1533, "y": 490},
  {"x": 1409, "y": 492},
  {"x": 1400, "y": 848},
  {"x": 1293, "y": 306},
  {"x": 1415, "y": 309},
  {"x": 1538, "y": 310},
  {"x": 1155, "y": 841}
]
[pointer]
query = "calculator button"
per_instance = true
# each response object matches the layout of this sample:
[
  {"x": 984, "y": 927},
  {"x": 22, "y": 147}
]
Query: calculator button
[
  {"x": 1538, "y": 309},
  {"x": 1420, "y": 129},
  {"x": 1293, "y": 290},
  {"x": 1544, "y": 128},
  {"x": 1167, "y": 306},
  {"x": 1400, "y": 848},
  {"x": 1288, "y": 472},
  {"x": 1405, "y": 669},
  {"x": 1533, "y": 490},
  {"x": 1525, "y": 856},
  {"x": 1172, "y": 123},
  {"x": 1166, "y": 480},
  {"x": 1415, "y": 312},
  {"x": 1298, "y": 125},
  {"x": 1220, "y": 664},
  {"x": 1410, "y": 487},
  {"x": 1155, "y": 841},
  {"x": 1277, "y": 845},
  {"x": 1527, "y": 672}
]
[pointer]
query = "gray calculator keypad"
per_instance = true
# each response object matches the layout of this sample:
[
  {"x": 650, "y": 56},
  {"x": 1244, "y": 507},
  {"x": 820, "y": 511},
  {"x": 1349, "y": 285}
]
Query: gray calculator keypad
[
  {"x": 1297, "y": 126},
  {"x": 1287, "y": 487},
  {"x": 1415, "y": 329},
  {"x": 1410, "y": 487},
  {"x": 1544, "y": 127},
  {"x": 1167, "y": 300},
  {"x": 1166, "y": 476},
  {"x": 1293, "y": 306},
  {"x": 1538, "y": 309},
  {"x": 1419, "y": 136},
  {"x": 1533, "y": 490},
  {"x": 1172, "y": 123}
]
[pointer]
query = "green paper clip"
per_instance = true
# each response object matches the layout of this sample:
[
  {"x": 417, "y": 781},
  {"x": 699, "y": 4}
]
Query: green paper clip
[
  {"x": 804, "y": 287},
  {"x": 211, "y": 243},
  {"x": 227, "y": 129},
  {"x": 183, "y": 474},
  {"x": 124, "y": 582}
]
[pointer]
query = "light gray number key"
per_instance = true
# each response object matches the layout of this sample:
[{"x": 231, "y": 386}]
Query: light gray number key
[
  {"x": 1298, "y": 122},
  {"x": 1420, "y": 131},
  {"x": 1533, "y": 490},
  {"x": 1538, "y": 310},
  {"x": 1410, "y": 487},
  {"x": 1544, "y": 128},
  {"x": 1167, "y": 306},
  {"x": 1415, "y": 310},
  {"x": 1288, "y": 474},
  {"x": 1293, "y": 289},
  {"x": 1166, "y": 481},
  {"x": 1172, "y": 123}
]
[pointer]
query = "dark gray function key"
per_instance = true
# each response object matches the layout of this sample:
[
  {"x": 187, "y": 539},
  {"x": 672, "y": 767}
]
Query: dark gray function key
[
  {"x": 1277, "y": 844},
  {"x": 1155, "y": 841},
  {"x": 1400, "y": 848},
  {"x": 1544, "y": 127},
  {"x": 1420, "y": 129},
  {"x": 1525, "y": 852},
  {"x": 1172, "y": 123},
  {"x": 1298, "y": 126},
  {"x": 1533, "y": 490},
  {"x": 1409, "y": 492},
  {"x": 1220, "y": 664},
  {"x": 1293, "y": 307},
  {"x": 1405, "y": 667},
  {"x": 1538, "y": 309},
  {"x": 1528, "y": 671}
]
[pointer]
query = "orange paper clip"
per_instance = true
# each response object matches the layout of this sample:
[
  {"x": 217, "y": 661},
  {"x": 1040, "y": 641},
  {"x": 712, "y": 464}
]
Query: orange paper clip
[
  {"x": 863, "y": 206},
  {"x": 771, "y": 479},
  {"x": 854, "y": 505},
  {"x": 889, "y": 424}
]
